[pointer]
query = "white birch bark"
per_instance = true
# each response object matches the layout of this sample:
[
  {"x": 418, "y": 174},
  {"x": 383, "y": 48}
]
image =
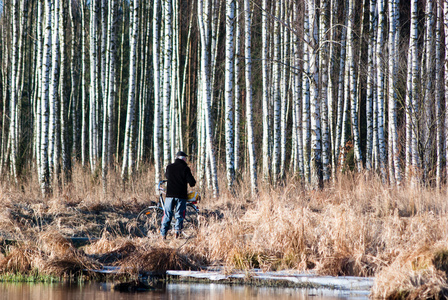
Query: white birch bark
[
  {"x": 346, "y": 96},
  {"x": 439, "y": 95},
  {"x": 409, "y": 117},
  {"x": 323, "y": 69},
  {"x": 103, "y": 46},
  {"x": 74, "y": 94},
  {"x": 94, "y": 87},
  {"x": 228, "y": 90},
  {"x": 53, "y": 136},
  {"x": 37, "y": 120},
  {"x": 306, "y": 136},
  {"x": 340, "y": 94},
  {"x": 331, "y": 86},
  {"x": 380, "y": 89},
  {"x": 110, "y": 100},
  {"x": 14, "y": 88},
  {"x": 156, "y": 80},
  {"x": 429, "y": 94},
  {"x": 174, "y": 111},
  {"x": 84, "y": 103},
  {"x": 265, "y": 91},
  {"x": 249, "y": 108},
  {"x": 44, "y": 179},
  {"x": 394, "y": 154},
  {"x": 129, "y": 150},
  {"x": 63, "y": 117},
  {"x": 204, "y": 21},
  {"x": 237, "y": 93},
  {"x": 316, "y": 142},
  {"x": 297, "y": 105},
  {"x": 353, "y": 86},
  {"x": 283, "y": 63},
  {"x": 168, "y": 50},
  {"x": 370, "y": 84},
  {"x": 414, "y": 92},
  {"x": 4, "y": 72},
  {"x": 276, "y": 94},
  {"x": 445, "y": 28}
]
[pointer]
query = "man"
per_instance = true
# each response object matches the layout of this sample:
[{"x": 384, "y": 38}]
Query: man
[{"x": 178, "y": 175}]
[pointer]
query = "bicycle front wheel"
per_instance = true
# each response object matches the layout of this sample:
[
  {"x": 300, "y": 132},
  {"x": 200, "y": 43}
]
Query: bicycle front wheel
[{"x": 149, "y": 220}]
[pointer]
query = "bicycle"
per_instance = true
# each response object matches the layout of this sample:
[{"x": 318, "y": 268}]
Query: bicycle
[{"x": 149, "y": 220}]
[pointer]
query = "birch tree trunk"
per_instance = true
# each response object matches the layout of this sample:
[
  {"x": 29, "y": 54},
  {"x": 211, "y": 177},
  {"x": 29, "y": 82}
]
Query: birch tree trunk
[
  {"x": 237, "y": 93},
  {"x": 429, "y": 95},
  {"x": 323, "y": 64},
  {"x": 380, "y": 89},
  {"x": 249, "y": 108},
  {"x": 156, "y": 80},
  {"x": 74, "y": 94},
  {"x": 38, "y": 92},
  {"x": 394, "y": 154},
  {"x": 297, "y": 105},
  {"x": 331, "y": 87},
  {"x": 439, "y": 96},
  {"x": 414, "y": 93},
  {"x": 44, "y": 179},
  {"x": 340, "y": 95},
  {"x": 265, "y": 91},
  {"x": 53, "y": 154},
  {"x": 306, "y": 98},
  {"x": 276, "y": 94},
  {"x": 445, "y": 27},
  {"x": 129, "y": 150},
  {"x": 204, "y": 20},
  {"x": 110, "y": 100},
  {"x": 4, "y": 73},
  {"x": 14, "y": 88},
  {"x": 168, "y": 50},
  {"x": 94, "y": 87},
  {"x": 65, "y": 153},
  {"x": 316, "y": 147},
  {"x": 284, "y": 49},
  {"x": 370, "y": 84},
  {"x": 353, "y": 85},
  {"x": 103, "y": 46},
  {"x": 230, "y": 17},
  {"x": 84, "y": 103}
]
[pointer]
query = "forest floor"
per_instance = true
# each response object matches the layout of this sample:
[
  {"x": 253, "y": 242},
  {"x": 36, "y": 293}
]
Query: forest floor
[{"x": 355, "y": 227}]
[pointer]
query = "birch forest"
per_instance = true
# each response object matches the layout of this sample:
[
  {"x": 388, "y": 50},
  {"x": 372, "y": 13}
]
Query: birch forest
[{"x": 255, "y": 91}]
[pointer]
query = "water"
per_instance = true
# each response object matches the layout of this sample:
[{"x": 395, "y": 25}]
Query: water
[{"x": 99, "y": 291}]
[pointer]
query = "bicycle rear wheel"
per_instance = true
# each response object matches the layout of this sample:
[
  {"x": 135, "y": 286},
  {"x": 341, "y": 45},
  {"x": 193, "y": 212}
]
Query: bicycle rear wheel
[{"x": 149, "y": 220}]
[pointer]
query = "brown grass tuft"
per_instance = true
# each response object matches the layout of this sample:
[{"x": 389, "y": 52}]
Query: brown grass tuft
[
  {"x": 416, "y": 274},
  {"x": 158, "y": 260},
  {"x": 19, "y": 260},
  {"x": 69, "y": 265}
]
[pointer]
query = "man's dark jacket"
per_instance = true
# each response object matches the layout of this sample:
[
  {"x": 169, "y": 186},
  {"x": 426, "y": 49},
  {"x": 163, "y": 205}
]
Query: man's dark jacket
[{"x": 178, "y": 175}]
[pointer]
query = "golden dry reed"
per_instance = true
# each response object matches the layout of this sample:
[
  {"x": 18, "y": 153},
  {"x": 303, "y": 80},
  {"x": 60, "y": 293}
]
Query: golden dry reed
[{"x": 355, "y": 226}]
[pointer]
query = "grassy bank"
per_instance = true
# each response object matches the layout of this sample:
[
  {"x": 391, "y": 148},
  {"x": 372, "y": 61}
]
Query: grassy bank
[{"x": 357, "y": 226}]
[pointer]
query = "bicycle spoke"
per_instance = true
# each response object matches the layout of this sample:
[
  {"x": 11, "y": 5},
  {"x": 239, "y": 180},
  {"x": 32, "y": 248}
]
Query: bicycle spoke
[{"x": 149, "y": 220}]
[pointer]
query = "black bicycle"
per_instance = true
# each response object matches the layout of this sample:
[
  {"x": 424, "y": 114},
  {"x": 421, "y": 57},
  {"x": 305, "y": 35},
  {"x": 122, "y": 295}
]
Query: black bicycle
[{"x": 149, "y": 219}]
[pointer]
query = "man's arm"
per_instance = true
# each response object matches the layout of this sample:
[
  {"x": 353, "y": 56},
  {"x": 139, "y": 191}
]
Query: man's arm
[{"x": 190, "y": 179}]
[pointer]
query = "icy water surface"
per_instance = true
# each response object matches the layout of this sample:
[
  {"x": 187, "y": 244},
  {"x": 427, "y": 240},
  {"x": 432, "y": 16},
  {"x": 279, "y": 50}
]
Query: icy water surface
[{"x": 99, "y": 291}]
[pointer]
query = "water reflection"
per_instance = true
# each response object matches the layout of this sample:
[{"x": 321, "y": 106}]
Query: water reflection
[{"x": 99, "y": 291}]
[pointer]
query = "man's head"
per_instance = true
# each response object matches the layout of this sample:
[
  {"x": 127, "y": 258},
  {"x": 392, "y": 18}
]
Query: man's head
[{"x": 181, "y": 155}]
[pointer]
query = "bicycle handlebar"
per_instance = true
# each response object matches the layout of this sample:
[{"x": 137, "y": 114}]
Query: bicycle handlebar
[{"x": 159, "y": 187}]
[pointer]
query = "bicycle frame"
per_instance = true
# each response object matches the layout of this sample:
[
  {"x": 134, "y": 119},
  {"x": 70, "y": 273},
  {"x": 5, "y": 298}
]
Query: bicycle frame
[{"x": 191, "y": 203}]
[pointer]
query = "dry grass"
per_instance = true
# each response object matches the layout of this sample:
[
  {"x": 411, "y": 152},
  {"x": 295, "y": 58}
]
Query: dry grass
[{"x": 355, "y": 226}]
